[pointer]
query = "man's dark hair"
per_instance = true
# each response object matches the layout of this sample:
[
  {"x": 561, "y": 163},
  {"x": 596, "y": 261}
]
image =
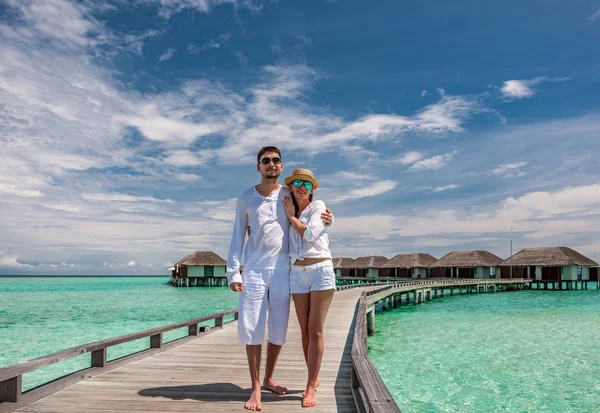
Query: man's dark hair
[{"x": 266, "y": 149}]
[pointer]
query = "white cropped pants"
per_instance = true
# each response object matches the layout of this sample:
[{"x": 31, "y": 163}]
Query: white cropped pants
[{"x": 265, "y": 300}]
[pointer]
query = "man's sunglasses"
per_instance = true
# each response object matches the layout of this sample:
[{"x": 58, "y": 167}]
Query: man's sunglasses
[
  {"x": 266, "y": 161},
  {"x": 307, "y": 184}
]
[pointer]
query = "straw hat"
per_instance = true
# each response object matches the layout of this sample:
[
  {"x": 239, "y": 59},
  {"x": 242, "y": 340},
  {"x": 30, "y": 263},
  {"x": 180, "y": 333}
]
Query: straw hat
[{"x": 303, "y": 174}]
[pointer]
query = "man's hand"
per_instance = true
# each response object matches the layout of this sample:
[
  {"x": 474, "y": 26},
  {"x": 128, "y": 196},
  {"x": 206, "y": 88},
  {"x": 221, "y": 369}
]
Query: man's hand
[
  {"x": 236, "y": 287},
  {"x": 327, "y": 217}
]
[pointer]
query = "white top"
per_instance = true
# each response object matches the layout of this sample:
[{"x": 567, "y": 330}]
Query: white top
[
  {"x": 267, "y": 247},
  {"x": 315, "y": 241}
]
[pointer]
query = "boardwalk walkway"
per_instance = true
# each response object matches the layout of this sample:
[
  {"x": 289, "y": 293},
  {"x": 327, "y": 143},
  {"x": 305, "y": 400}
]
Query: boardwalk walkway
[{"x": 210, "y": 374}]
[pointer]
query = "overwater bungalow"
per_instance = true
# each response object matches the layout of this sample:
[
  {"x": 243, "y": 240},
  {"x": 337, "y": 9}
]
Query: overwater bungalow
[
  {"x": 342, "y": 267},
  {"x": 202, "y": 268},
  {"x": 369, "y": 267},
  {"x": 467, "y": 264},
  {"x": 409, "y": 265},
  {"x": 550, "y": 264}
]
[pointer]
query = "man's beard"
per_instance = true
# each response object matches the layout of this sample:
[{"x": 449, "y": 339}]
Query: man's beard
[{"x": 272, "y": 174}]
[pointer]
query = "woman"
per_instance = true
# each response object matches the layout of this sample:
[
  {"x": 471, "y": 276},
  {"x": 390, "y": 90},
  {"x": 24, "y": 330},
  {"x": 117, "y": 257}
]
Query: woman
[{"x": 312, "y": 279}]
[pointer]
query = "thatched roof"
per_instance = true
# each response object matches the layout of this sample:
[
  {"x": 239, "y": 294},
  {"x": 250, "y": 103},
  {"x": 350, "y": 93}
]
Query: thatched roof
[
  {"x": 467, "y": 259},
  {"x": 548, "y": 257},
  {"x": 368, "y": 262},
  {"x": 342, "y": 262},
  {"x": 201, "y": 258},
  {"x": 410, "y": 261}
]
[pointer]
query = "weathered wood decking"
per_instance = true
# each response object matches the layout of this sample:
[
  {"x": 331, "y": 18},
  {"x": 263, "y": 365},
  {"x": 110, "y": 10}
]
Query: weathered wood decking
[{"x": 210, "y": 374}]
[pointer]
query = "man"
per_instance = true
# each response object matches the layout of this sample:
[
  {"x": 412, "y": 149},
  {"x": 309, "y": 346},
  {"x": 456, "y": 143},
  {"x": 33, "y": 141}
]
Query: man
[{"x": 264, "y": 286}]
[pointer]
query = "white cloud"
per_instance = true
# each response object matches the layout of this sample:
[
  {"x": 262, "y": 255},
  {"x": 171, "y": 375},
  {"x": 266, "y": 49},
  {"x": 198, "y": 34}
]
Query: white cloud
[
  {"x": 11, "y": 261},
  {"x": 517, "y": 89},
  {"x": 564, "y": 216},
  {"x": 510, "y": 169},
  {"x": 433, "y": 163},
  {"x": 182, "y": 158},
  {"x": 595, "y": 16},
  {"x": 373, "y": 189},
  {"x": 218, "y": 210},
  {"x": 190, "y": 178},
  {"x": 135, "y": 41},
  {"x": 15, "y": 190},
  {"x": 375, "y": 226},
  {"x": 410, "y": 158},
  {"x": 445, "y": 188},
  {"x": 520, "y": 89},
  {"x": 63, "y": 22},
  {"x": 217, "y": 43},
  {"x": 167, "y": 55},
  {"x": 131, "y": 264},
  {"x": 276, "y": 113},
  {"x": 116, "y": 197},
  {"x": 193, "y": 49},
  {"x": 167, "y": 118},
  {"x": 424, "y": 93},
  {"x": 170, "y": 7}
]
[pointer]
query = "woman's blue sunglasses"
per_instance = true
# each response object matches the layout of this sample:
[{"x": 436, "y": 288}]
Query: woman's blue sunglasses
[{"x": 307, "y": 184}]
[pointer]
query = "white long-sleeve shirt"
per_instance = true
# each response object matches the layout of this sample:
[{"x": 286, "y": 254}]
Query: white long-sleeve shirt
[
  {"x": 315, "y": 241},
  {"x": 267, "y": 246}
]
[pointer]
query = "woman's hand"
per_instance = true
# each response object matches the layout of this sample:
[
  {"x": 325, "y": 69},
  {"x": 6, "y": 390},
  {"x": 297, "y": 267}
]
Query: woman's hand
[{"x": 290, "y": 210}]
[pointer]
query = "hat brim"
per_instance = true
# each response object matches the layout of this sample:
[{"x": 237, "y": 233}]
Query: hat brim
[{"x": 288, "y": 181}]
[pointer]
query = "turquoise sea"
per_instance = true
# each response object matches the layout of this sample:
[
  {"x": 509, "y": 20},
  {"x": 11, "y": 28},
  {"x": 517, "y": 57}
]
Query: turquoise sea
[
  {"x": 43, "y": 315},
  {"x": 525, "y": 351}
]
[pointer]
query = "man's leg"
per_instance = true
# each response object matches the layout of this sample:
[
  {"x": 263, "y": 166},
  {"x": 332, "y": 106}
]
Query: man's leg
[
  {"x": 278, "y": 317},
  {"x": 269, "y": 383},
  {"x": 253, "y": 353},
  {"x": 251, "y": 330}
]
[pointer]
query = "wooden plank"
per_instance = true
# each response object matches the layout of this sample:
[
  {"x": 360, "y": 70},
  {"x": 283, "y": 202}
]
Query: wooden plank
[{"x": 10, "y": 390}]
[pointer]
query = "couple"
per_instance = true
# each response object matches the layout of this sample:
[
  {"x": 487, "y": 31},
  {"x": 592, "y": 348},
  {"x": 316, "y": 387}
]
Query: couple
[{"x": 285, "y": 226}]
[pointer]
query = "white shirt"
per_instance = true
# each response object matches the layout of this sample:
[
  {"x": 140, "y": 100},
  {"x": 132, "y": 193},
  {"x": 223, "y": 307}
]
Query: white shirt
[
  {"x": 315, "y": 241},
  {"x": 267, "y": 247}
]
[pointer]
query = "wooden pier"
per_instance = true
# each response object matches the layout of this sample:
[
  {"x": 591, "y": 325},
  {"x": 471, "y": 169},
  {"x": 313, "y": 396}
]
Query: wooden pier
[{"x": 208, "y": 372}]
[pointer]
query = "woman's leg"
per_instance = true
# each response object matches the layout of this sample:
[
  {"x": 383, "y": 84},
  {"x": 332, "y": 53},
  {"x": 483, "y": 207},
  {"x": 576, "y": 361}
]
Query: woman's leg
[
  {"x": 302, "y": 306},
  {"x": 319, "y": 306}
]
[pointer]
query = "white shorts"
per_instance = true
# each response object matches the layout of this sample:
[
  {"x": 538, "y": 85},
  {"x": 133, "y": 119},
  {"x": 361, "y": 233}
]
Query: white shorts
[
  {"x": 264, "y": 299},
  {"x": 315, "y": 277}
]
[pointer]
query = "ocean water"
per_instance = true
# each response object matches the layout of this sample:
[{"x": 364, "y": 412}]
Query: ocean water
[
  {"x": 525, "y": 351},
  {"x": 39, "y": 316}
]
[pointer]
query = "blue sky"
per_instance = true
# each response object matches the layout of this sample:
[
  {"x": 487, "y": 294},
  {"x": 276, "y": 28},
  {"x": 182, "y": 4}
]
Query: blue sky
[{"x": 129, "y": 127}]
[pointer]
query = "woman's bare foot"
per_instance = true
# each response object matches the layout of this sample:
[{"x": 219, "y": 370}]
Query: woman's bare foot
[
  {"x": 317, "y": 384},
  {"x": 310, "y": 399},
  {"x": 254, "y": 402},
  {"x": 271, "y": 385}
]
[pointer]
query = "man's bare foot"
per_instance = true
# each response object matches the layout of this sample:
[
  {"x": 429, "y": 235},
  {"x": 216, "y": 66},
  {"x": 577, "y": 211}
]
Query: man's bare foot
[
  {"x": 310, "y": 399},
  {"x": 254, "y": 402},
  {"x": 271, "y": 385},
  {"x": 317, "y": 384}
]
